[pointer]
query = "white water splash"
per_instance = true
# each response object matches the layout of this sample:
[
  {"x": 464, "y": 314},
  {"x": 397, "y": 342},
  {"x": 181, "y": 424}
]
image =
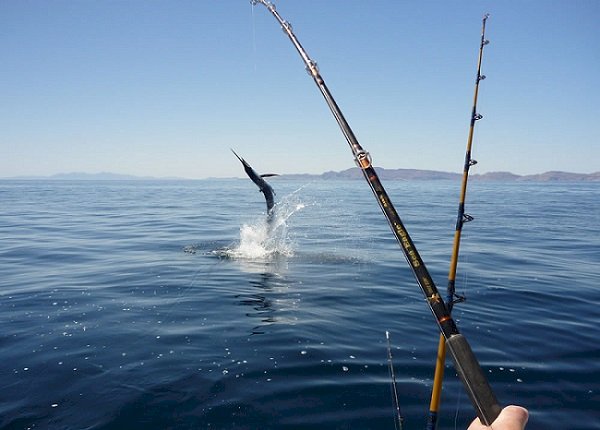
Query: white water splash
[{"x": 264, "y": 240}]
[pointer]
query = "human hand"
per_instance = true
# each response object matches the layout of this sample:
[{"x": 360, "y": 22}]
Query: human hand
[{"x": 510, "y": 418}]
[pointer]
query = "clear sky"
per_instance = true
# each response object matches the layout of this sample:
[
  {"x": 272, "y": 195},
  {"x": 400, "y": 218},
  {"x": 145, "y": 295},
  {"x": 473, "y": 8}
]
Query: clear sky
[{"x": 165, "y": 88}]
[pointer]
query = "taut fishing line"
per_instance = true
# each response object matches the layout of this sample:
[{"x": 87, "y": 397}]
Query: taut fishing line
[{"x": 254, "y": 37}]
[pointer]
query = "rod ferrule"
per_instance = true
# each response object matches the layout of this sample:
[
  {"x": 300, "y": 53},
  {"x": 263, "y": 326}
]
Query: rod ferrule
[
  {"x": 312, "y": 68},
  {"x": 363, "y": 159}
]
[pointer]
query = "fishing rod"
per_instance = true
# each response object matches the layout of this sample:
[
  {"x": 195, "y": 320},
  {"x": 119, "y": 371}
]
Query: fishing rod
[
  {"x": 452, "y": 297},
  {"x": 466, "y": 364}
]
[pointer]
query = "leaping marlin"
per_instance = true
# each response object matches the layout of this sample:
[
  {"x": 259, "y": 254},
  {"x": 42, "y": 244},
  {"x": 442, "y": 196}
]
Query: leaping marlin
[{"x": 261, "y": 183}]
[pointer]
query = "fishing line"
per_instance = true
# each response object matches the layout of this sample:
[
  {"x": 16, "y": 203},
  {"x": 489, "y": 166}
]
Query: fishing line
[
  {"x": 465, "y": 282},
  {"x": 398, "y": 418},
  {"x": 192, "y": 283},
  {"x": 457, "y": 409},
  {"x": 254, "y": 36}
]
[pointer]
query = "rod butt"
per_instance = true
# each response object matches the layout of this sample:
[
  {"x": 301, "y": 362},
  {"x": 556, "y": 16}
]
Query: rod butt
[{"x": 473, "y": 378}]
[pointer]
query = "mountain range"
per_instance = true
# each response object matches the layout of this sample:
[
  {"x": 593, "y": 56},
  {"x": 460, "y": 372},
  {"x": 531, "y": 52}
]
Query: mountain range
[
  {"x": 355, "y": 173},
  {"x": 415, "y": 174},
  {"x": 102, "y": 176}
]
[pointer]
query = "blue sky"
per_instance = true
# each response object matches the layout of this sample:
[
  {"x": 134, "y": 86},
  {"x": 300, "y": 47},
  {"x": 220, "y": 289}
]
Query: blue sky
[{"x": 165, "y": 88}]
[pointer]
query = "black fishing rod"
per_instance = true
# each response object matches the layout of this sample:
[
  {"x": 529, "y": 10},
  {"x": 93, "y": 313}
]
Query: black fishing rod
[
  {"x": 462, "y": 217},
  {"x": 466, "y": 363}
]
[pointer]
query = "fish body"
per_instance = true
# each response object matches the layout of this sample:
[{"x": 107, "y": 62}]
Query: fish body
[{"x": 262, "y": 185}]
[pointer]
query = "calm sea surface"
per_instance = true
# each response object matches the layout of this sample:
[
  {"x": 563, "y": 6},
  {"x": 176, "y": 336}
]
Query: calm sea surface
[{"x": 168, "y": 305}]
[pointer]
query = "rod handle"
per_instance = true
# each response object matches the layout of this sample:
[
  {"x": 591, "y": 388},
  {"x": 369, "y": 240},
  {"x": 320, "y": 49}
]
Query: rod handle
[{"x": 473, "y": 378}]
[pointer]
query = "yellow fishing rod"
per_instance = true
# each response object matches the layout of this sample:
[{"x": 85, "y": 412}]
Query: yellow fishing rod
[
  {"x": 462, "y": 217},
  {"x": 474, "y": 380}
]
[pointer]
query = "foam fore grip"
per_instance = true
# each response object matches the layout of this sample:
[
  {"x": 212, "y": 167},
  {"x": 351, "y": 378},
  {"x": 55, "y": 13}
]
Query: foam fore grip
[{"x": 472, "y": 376}]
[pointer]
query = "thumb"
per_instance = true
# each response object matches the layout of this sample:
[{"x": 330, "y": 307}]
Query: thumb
[{"x": 510, "y": 418}]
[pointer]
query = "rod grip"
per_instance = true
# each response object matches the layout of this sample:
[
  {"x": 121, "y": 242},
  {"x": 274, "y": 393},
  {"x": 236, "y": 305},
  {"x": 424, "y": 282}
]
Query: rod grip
[{"x": 472, "y": 376}]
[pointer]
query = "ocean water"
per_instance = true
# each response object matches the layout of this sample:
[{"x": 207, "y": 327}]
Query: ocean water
[{"x": 172, "y": 305}]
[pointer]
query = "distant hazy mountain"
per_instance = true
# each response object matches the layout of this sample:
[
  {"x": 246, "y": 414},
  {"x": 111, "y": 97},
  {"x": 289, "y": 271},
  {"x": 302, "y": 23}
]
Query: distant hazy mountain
[
  {"x": 392, "y": 174},
  {"x": 102, "y": 176},
  {"x": 498, "y": 176},
  {"x": 413, "y": 174},
  {"x": 562, "y": 176},
  {"x": 354, "y": 173}
]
